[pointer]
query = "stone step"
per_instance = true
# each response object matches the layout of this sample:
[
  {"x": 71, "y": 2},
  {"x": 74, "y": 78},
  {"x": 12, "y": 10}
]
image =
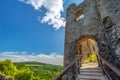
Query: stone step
[
  {"x": 89, "y": 77},
  {"x": 92, "y": 73},
  {"x": 91, "y": 70},
  {"x": 88, "y": 70}
]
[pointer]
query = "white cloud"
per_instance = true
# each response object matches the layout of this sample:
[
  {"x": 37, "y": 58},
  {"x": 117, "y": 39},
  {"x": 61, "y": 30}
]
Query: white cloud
[
  {"x": 13, "y": 53},
  {"x": 53, "y": 14},
  {"x": 52, "y": 58}
]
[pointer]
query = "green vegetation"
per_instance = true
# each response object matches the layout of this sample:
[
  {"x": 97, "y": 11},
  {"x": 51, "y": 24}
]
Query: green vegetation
[
  {"x": 29, "y": 70},
  {"x": 91, "y": 58}
]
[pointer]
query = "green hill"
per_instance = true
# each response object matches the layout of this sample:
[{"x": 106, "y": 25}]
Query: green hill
[{"x": 29, "y": 70}]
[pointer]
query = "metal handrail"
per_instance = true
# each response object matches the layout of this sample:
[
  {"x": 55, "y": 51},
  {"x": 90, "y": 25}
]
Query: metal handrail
[
  {"x": 70, "y": 66},
  {"x": 115, "y": 69},
  {"x": 100, "y": 61}
]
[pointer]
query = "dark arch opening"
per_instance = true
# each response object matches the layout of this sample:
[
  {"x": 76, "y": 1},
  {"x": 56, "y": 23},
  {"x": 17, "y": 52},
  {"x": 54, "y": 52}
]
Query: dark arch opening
[{"x": 86, "y": 50}]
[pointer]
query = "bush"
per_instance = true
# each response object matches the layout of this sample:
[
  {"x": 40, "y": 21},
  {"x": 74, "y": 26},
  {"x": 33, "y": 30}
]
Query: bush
[
  {"x": 91, "y": 58},
  {"x": 8, "y": 68},
  {"x": 25, "y": 74}
]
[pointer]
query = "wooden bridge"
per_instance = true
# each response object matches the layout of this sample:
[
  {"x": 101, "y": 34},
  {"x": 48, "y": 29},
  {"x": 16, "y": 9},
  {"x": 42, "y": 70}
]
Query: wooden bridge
[{"x": 88, "y": 72}]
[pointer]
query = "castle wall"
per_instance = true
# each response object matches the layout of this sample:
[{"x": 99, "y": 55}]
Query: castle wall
[
  {"x": 111, "y": 10},
  {"x": 89, "y": 25},
  {"x": 102, "y": 21}
]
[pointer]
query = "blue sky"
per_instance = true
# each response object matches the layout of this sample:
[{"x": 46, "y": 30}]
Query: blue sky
[{"x": 32, "y": 28}]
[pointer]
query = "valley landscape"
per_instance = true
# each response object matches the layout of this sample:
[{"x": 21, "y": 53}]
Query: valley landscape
[{"x": 28, "y": 70}]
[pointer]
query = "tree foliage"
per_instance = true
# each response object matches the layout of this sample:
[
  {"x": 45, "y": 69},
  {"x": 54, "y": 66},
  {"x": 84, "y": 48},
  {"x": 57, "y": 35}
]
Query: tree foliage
[
  {"x": 8, "y": 68},
  {"x": 24, "y": 74},
  {"x": 28, "y": 70},
  {"x": 91, "y": 58}
]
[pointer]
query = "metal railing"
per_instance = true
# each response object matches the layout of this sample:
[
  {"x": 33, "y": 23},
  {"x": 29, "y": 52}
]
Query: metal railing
[
  {"x": 74, "y": 69},
  {"x": 71, "y": 69},
  {"x": 102, "y": 61}
]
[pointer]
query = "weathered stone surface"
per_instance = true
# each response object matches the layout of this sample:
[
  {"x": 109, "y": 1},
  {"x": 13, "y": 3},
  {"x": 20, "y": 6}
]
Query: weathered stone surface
[{"x": 101, "y": 21}]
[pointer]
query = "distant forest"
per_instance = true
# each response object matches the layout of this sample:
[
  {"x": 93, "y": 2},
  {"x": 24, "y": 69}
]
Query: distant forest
[{"x": 28, "y": 70}]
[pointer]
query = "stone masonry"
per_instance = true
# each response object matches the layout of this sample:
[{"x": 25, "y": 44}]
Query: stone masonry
[{"x": 99, "y": 19}]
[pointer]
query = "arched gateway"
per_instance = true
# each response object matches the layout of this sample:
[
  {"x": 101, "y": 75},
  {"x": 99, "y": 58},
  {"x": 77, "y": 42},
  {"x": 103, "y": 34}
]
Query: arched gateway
[{"x": 87, "y": 49}]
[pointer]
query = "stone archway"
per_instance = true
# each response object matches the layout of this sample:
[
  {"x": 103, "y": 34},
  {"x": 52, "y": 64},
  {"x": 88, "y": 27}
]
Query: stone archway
[{"x": 86, "y": 50}]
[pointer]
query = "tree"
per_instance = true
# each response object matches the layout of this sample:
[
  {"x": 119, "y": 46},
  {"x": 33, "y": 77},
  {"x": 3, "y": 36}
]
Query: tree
[
  {"x": 24, "y": 74},
  {"x": 8, "y": 68}
]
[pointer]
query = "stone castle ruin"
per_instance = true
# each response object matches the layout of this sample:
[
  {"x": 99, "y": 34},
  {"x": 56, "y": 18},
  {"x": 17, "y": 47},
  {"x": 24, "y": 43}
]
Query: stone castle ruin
[{"x": 93, "y": 27}]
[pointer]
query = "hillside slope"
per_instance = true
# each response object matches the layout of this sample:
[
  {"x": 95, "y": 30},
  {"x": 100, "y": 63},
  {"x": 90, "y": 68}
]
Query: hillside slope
[{"x": 29, "y": 70}]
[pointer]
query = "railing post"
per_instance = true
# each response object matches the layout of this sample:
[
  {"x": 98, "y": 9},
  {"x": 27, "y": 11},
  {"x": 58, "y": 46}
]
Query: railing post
[
  {"x": 73, "y": 73},
  {"x": 79, "y": 66},
  {"x": 73, "y": 69}
]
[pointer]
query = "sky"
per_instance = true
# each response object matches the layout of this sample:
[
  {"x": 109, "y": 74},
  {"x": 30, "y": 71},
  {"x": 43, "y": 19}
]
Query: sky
[{"x": 33, "y": 30}]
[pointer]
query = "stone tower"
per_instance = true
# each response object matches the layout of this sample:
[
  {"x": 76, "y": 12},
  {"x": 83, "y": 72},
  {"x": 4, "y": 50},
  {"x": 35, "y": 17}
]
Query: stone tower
[{"x": 99, "y": 19}]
